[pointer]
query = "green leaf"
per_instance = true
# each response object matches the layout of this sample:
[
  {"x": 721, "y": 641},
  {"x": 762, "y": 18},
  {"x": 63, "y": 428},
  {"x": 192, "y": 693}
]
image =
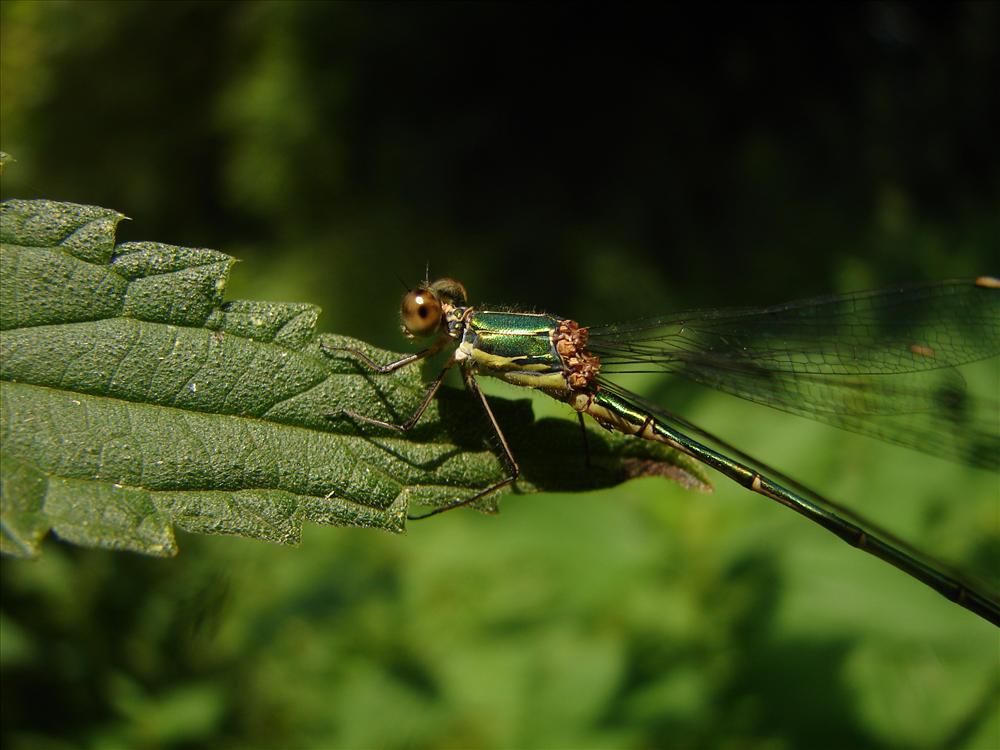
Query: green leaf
[{"x": 135, "y": 401}]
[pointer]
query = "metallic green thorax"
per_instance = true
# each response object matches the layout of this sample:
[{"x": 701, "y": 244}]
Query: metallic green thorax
[
  {"x": 524, "y": 349},
  {"x": 516, "y": 347}
]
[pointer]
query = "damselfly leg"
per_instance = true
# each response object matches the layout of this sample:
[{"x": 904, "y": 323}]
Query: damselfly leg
[{"x": 506, "y": 457}]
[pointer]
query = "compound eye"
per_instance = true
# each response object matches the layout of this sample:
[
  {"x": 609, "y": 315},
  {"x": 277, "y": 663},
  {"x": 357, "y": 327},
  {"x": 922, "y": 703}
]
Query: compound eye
[{"x": 420, "y": 312}]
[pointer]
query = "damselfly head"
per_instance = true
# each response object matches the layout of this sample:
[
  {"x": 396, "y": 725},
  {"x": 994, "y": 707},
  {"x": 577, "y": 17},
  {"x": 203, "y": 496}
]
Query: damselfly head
[{"x": 423, "y": 309}]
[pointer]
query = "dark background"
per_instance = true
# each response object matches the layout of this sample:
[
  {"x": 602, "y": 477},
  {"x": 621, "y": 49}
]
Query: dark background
[{"x": 597, "y": 161}]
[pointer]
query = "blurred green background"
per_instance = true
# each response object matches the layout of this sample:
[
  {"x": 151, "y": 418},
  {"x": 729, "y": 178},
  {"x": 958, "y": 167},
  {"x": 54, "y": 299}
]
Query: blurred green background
[{"x": 598, "y": 162}]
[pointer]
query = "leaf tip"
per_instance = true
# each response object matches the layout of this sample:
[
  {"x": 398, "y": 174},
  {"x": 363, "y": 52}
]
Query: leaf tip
[{"x": 635, "y": 468}]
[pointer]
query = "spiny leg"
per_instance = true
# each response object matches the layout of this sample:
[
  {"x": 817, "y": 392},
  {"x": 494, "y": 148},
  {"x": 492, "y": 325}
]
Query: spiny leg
[
  {"x": 392, "y": 366},
  {"x": 505, "y": 455},
  {"x": 414, "y": 418},
  {"x": 385, "y": 370}
]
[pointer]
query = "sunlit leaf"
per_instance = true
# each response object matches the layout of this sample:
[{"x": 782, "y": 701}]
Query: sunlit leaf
[{"x": 137, "y": 401}]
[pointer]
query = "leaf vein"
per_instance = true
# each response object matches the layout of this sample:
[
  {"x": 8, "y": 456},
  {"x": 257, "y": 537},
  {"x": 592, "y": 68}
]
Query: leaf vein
[{"x": 136, "y": 331}]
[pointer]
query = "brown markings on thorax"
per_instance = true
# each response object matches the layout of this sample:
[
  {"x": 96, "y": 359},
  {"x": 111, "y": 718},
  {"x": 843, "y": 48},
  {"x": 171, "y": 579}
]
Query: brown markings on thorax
[{"x": 581, "y": 366}]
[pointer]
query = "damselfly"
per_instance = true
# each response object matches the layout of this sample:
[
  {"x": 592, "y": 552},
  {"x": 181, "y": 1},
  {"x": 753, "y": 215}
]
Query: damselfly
[{"x": 878, "y": 363}]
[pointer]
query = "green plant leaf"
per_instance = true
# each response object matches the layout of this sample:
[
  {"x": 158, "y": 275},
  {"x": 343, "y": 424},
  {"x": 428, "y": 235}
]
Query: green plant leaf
[{"x": 135, "y": 401}]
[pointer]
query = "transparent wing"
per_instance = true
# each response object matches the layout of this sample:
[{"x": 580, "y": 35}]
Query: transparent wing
[{"x": 877, "y": 363}]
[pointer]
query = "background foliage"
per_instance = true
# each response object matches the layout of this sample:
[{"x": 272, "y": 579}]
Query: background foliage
[{"x": 597, "y": 163}]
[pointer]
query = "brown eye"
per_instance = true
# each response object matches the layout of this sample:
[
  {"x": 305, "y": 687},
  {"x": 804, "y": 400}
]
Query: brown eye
[{"x": 421, "y": 313}]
